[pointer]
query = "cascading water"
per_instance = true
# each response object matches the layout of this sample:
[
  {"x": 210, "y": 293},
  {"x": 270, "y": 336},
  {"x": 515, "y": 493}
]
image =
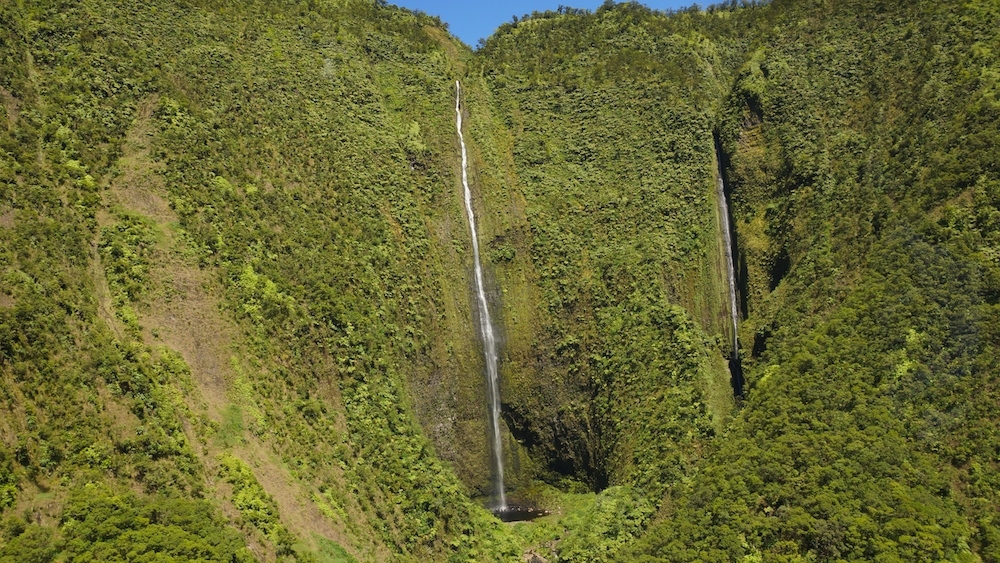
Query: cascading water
[
  {"x": 735, "y": 366},
  {"x": 485, "y": 322}
]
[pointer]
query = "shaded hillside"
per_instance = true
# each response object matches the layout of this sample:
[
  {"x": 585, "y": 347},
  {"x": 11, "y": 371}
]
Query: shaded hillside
[{"x": 860, "y": 140}]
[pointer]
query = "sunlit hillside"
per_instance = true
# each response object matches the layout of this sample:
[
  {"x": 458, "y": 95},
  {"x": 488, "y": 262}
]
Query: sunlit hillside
[{"x": 240, "y": 320}]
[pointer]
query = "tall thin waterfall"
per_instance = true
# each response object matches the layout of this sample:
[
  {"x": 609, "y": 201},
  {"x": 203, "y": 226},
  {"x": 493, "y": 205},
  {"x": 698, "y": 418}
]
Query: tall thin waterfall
[
  {"x": 485, "y": 322},
  {"x": 734, "y": 311}
]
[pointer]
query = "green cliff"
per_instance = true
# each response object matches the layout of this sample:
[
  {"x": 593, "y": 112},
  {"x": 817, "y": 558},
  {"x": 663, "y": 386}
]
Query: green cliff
[{"x": 236, "y": 300}]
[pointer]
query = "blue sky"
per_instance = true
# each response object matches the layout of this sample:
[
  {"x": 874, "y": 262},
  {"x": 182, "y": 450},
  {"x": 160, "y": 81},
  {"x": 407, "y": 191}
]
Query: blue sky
[{"x": 472, "y": 19}]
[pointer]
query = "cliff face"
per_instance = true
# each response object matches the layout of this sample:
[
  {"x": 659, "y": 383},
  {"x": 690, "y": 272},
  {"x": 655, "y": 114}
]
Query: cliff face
[
  {"x": 854, "y": 135},
  {"x": 612, "y": 156},
  {"x": 236, "y": 298}
]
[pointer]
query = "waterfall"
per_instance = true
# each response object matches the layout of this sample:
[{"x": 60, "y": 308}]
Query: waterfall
[
  {"x": 727, "y": 236},
  {"x": 485, "y": 322}
]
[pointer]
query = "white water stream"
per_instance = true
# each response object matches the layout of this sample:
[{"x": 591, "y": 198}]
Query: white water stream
[
  {"x": 734, "y": 311},
  {"x": 485, "y": 322}
]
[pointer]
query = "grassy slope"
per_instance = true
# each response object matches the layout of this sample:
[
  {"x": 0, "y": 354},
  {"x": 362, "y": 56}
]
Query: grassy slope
[{"x": 270, "y": 193}]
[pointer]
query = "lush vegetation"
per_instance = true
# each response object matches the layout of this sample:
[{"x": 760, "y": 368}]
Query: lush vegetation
[
  {"x": 319, "y": 252},
  {"x": 98, "y": 524},
  {"x": 235, "y": 314},
  {"x": 859, "y": 186},
  {"x": 615, "y": 166}
]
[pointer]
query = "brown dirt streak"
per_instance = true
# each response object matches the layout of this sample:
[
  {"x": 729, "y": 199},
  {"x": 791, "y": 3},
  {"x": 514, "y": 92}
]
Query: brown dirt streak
[
  {"x": 443, "y": 39},
  {"x": 184, "y": 311},
  {"x": 185, "y": 314},
  {"x": 296, "y": 509},
  {"x": 105, "y": 308},
  {"x": 140, "y": 187},
  {"x": 12, "y": 420}
]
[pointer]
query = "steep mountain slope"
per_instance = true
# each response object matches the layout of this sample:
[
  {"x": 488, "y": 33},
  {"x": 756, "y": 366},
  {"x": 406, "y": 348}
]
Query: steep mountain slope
[
  {"x": 228, "y": 249},
  {"x": 236, "y": 298},
  {"x": 861, "y": 141},
  {"x": 614, "y": 159}
]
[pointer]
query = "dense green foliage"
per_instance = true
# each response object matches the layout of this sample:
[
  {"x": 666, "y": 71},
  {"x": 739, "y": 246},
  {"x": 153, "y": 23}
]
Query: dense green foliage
[
  {"x": 254, "y": 504},
  {"x": 235, "y": 314},
  {"x": 215, "y": 88},
  {"x": 613, "y": 153},
  {"x": 859, "y": 159},
  {"x": 98, "y": 524}
]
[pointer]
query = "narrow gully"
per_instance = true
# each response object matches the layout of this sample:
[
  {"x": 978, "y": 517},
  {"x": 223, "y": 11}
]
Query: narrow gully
[{"x": 728, "y": 236}]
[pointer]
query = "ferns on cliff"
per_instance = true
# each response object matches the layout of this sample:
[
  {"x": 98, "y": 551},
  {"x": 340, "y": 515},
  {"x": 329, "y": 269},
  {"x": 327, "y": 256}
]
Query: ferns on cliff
[{"x": 299, "y": 160}]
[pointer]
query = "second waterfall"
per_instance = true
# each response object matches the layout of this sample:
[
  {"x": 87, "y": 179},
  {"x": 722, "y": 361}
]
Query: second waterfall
[
  {"x": 735, "y": 366},
  {"x": 486, "y": 332}
]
